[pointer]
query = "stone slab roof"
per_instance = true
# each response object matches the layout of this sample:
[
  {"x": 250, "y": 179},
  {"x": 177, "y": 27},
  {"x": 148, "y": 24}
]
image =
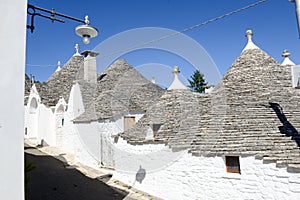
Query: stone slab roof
[
  {"x": 120, "y": 89},
  {"x": 27, "y": 88},
  {"x": 60, "y": 83},
  {"x": 253, "y": 111}
]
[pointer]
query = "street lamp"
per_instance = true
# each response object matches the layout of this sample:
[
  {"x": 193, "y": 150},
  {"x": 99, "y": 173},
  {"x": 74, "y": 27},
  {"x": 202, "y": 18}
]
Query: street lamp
[{"x": 85, "y": 31}]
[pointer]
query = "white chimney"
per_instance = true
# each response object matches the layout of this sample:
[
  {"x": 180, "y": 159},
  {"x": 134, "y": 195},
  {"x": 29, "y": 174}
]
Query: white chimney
[{"x": 89, "y": 66}]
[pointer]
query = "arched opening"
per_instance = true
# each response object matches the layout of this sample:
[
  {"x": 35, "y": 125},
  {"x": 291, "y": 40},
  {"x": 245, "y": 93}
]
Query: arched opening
[
  {"x": 33, "y": 105},
  {"x": 59, "y": 114}
]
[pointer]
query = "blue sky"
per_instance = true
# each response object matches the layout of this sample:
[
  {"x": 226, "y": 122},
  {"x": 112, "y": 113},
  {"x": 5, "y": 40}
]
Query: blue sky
[{"x": 273, "y": 23}]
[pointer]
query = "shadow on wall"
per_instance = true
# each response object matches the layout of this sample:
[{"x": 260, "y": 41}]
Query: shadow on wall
[
  {"x": 287, "y": 128},
  {"x": 139, "y": 176}
]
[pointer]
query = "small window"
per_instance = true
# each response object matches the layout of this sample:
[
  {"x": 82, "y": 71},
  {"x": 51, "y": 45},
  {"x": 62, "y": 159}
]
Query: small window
[
  {"x": 62, "y": 121},
  {"x": 233, "y": 164},
  {"x": 155, "y": 128},
  {"x": 128, "y": 122}
]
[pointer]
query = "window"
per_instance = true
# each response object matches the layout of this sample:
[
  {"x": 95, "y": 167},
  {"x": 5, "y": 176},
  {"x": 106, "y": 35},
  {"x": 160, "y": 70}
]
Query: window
[
  {"x": 232, "y": 164},
  {"x": 33, "y": 106},
  {"x": 155, "y": 128},
  {"x": 62, "y": 121},
  {"x": 128, "y": 122}
]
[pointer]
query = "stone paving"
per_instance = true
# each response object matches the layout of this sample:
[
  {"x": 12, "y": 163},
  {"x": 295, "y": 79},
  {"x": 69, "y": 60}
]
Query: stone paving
[{"x": 102, "y": 175}]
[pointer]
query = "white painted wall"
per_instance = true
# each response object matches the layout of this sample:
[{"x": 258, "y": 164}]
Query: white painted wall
[
  {"x": 295, "y": 70},
  {"x": 75, "y": 103},
  {"x": 59, "y": 116},
  {"x": 91, "y": 143},
  {"x": 190, "y": 177},
  {"x": 168, "y": 174},
  {"x": 32, "y": 113},
  {"x": 88, "y": 149},
  {"x": 46, "y": 126},
  {"x": 12, "y": 70}
]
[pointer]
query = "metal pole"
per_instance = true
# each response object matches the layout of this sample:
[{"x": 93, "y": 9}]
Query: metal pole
[{"x": 53, "y": 13}]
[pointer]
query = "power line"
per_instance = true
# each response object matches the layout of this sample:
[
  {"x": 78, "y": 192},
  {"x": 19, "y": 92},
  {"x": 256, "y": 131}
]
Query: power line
[
  {"x": 173, "y": 34},
  {"x": 185, "y": 30},
  {"x": 32, "y": 65}
]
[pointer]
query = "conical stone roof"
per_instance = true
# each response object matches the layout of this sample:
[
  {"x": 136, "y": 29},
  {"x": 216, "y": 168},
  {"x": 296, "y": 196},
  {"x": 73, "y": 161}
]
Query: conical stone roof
[
  {"x": 253, "y": 111},
  {"x": 120, "y": 89},
  {"x": 60, "y": 83}
]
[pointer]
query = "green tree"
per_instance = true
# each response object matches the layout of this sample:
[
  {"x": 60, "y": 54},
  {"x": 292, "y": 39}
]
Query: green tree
[{"x": 197, "y": 82}]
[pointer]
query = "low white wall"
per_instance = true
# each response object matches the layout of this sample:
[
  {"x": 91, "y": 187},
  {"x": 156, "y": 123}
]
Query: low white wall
[
  {"x": 190, "y": 177},
  {"x": 87, "y": 142},
  {"x": 32, "y": 113},
  {"x": 46, "y": 126},
  {"x": 31, "y": 123}
]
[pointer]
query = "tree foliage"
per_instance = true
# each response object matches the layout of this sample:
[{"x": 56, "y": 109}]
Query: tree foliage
[{"x": 197, "y": 82}]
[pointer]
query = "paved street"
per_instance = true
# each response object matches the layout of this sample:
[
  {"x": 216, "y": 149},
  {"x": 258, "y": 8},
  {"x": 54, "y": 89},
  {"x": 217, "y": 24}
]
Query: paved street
[{"x": 55, "y": 180}]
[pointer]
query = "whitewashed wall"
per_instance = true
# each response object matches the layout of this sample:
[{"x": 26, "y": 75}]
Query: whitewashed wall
[
  {"x": 32, "y": 113},
  {"x": 91, "y": 143},
  {"x": 40, "y": 120},
  {"x": 59, "y": 116},
  {"x": 46, "y": 126},
  {"x": 12, "y": 70},
  {"x": 189, "y": 177},
  {"x": 168, "y": 174},
  {"x": 88, "y": 147},
  {"x": 107, "y": 130}
]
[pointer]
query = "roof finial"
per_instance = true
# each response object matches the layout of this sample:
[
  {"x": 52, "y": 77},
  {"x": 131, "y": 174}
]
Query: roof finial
[
  {"x": 176, "y": 70},
  {"x": 58, "y": 67},
  {"x": 77, "y": 49},
  {"x": 177, "y": 84},
  {"x": 287, "y": 60},
  {"x": 249, "y": 35},
  {"x": 250, "y": 44},
  {"x": 86, "y": 20},
  {"x": 286, "y": 53}
]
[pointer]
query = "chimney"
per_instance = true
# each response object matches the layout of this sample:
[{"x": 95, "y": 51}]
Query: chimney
[{"x": 89, "y": 66}]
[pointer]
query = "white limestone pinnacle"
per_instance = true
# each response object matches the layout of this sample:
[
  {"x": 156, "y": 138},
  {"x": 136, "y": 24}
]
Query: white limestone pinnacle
[
  {"x": 176, "y": 84},
  {"x": 250, "y": 44},
  {"x": 77, "y": 49},
  {"x": 287, "y": 60},
  {"x": 58, "y": 67}
]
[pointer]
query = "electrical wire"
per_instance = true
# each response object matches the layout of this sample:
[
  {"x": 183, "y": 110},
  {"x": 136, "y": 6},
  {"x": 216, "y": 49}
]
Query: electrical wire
[
  {"x": 173, "y": 34},
  {"x": 31, "y": 65},
  {"x": 184, "y": 30}
]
